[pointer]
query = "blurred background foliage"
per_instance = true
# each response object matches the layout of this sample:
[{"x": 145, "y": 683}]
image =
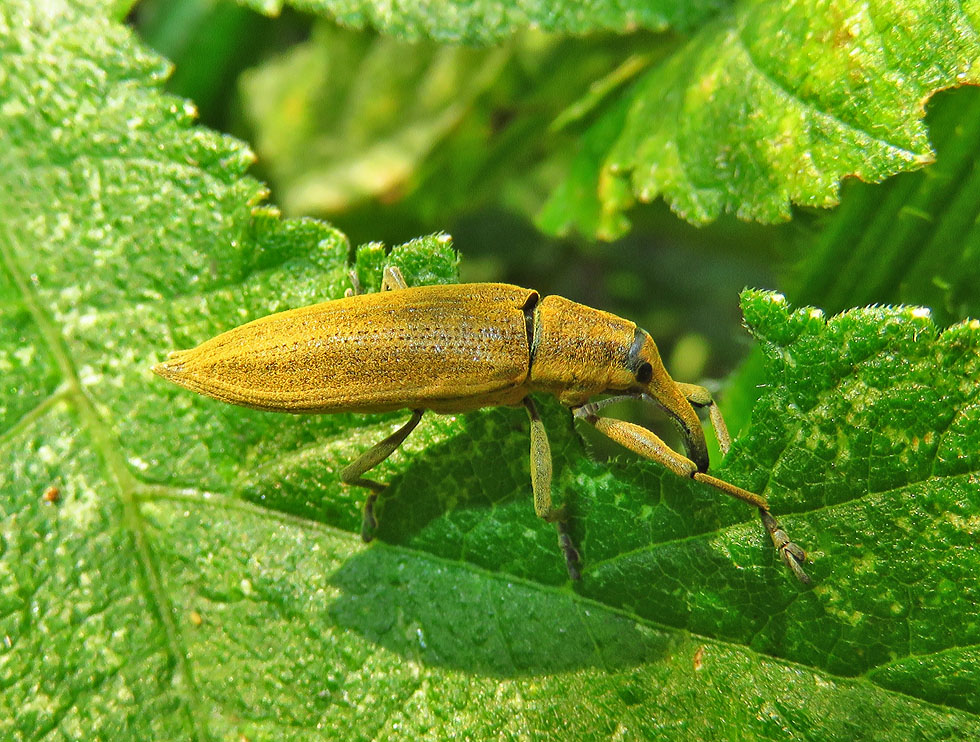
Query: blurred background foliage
[{"x": 389, "y": 139}]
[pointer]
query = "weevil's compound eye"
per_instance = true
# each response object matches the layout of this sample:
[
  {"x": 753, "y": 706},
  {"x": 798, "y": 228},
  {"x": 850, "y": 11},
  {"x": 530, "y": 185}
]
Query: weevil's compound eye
[{"x": 644, "y": 373}]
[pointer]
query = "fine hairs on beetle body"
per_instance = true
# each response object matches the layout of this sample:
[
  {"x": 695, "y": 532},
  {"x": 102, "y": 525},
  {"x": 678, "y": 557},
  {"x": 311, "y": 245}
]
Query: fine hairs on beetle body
[{"x": 457, "y": 348}]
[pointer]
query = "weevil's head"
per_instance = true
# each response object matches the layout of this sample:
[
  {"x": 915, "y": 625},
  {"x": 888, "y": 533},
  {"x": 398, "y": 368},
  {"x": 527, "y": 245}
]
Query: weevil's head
[{"x": 651, "y": 380}]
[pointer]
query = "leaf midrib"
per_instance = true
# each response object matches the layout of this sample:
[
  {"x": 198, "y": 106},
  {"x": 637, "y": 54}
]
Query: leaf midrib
[
  {"x": 159, "y": 493},
  {"x": 117, "y": 474}
]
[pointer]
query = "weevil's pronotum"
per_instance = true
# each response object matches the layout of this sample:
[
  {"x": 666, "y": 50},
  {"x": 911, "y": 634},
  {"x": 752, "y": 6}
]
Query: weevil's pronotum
[{"x": 457, "y": 348}]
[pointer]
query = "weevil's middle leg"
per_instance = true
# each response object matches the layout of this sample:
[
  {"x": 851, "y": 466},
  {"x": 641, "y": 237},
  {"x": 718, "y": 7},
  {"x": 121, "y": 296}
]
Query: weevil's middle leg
[
  {"x": 648, "y": 444},
  {"x": 367, "y": 461},
  {"x": 541, "y": 486}
]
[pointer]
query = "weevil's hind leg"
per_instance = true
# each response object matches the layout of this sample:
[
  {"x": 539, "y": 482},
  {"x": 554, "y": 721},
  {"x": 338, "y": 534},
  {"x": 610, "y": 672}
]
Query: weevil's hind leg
[
  {"x": 355, "y": 285},
  {"x": 367, "y": 461},
  {"x": 701, "y": 397},
  {"x": 392, "y": 279},
  {"x": 541, "y": 486},
  {"x": 646, "y": 443}
]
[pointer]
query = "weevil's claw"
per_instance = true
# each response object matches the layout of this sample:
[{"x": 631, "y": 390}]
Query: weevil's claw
[
  {"x": 369, "y": 524},
  {"x": 792, "y": 555},
  {"x": 572, "y": 558},
  {"x": 368, "y": 527}
]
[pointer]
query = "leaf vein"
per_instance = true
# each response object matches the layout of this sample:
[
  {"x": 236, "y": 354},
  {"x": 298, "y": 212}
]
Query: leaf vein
[{"x": 814, "y": 110}]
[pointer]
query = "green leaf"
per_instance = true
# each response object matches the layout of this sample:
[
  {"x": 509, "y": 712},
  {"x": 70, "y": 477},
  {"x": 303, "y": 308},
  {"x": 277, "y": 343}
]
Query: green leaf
[
  {"x": 762, "y": 107},
  {"x": 484, "y": 21},
  {"x": 873, "y": 414},
  {"x": 772, "y": 105},
  {"x": 199, "y": 575},
  {"x": 349, "y": 120},
  {"x": 348, "y": 116},
  {"x": 916, "y": 239},
  {"x": 913, "y": 240}
]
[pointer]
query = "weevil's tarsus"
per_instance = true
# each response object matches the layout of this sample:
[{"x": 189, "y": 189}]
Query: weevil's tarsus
[
  {"x": 541, "y": 473},
  {"x": 792, "y": 555},
  {"x": 369, "y": 522},
  {"x": 367, "y": 461},
  {"x": 567, "y": 546},
  {"x": 649, "y": 445}
]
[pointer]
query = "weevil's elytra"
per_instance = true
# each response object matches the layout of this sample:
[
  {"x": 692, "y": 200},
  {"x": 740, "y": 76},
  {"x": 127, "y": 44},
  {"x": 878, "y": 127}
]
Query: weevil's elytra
[
  {"x": 446, "y": 350},
  {"x": 458, "y": 348}
]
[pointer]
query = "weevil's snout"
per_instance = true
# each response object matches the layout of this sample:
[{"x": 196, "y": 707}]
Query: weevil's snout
[{"x": 655, "y": 383}]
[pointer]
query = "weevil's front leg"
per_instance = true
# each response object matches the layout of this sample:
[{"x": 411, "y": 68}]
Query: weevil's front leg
[
  {"x": 541, "y": 486},
  {"x": 791, "y": 554},
  {"x": 367, "y": 461},
  {"x": 647, "y": 444},
  {"x": 701, "y": 397}
]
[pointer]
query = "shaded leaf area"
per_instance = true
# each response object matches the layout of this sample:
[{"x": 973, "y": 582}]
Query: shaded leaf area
[
  {"x": 197, "y": 575},
  {"x": 913, "y": 240},
  {"x": 298, "y": 622},
  {"x": 486, "y": 21},
  {"x": 916, "y": 239},
  {"x": 768, "y": 106}
]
